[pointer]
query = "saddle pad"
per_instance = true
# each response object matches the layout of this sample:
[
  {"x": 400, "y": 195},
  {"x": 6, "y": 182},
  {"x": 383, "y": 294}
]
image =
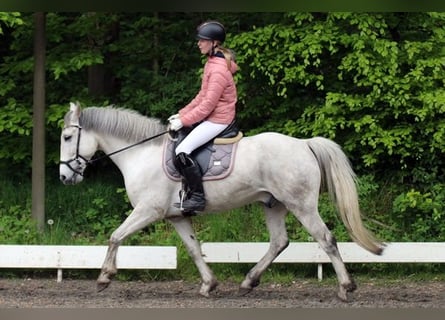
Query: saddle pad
[{"x": 220, "y": 163}]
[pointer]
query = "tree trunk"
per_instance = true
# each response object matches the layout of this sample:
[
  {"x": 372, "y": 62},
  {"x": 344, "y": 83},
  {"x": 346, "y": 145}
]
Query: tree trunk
[
  {"x": 38, "y": 135},
  {"x": 96, "y": 80},
  {"x": 156, "y": 46}
]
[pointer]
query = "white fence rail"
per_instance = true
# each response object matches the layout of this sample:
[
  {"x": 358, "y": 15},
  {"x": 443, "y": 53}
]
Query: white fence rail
[
  {"x": 165, "y": 257},
  {"x": 85, "y": 257},
  {"x": 310, "y": 252}
]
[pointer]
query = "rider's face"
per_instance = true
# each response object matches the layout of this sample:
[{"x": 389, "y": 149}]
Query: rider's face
[{"x": 205, "y": 46}]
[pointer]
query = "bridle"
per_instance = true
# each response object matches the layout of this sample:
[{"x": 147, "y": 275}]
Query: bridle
[
  {"x": 78, "y": 157},
  {"x": 82, "y": 162}
]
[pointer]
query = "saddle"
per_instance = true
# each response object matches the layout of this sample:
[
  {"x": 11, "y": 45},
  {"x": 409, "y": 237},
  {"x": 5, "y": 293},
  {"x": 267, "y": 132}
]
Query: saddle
[{"x": 215, "y": 158}]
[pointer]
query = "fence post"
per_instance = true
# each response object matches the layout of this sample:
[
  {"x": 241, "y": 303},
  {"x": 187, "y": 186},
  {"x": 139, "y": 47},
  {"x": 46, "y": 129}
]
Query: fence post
[
  {"x": 320, "y": 271},
  {"x": 59, "y": 275}
]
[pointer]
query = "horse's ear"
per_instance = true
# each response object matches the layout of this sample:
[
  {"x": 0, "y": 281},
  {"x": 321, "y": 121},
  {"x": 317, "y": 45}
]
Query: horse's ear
[{"x": 75, "y": 113}]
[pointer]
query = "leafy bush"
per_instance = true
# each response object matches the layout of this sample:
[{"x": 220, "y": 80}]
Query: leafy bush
[
  {"x": 16, "y": 227},
  {"x": 421, "y": 214}
]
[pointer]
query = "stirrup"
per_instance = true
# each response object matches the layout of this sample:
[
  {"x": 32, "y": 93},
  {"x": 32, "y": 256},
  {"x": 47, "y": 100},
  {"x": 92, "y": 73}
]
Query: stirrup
[
  {"x": 182, "y": 198},
  {"x": 199, "y": 207}
]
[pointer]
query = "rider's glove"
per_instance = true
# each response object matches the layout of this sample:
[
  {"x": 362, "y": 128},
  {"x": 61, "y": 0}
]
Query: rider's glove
[
  {"x": 175, "y": 116},
  {"x": 175, "y": 124}
]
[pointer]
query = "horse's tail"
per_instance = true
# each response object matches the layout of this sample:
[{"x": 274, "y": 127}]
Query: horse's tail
[{"x": 339, "y": 179}]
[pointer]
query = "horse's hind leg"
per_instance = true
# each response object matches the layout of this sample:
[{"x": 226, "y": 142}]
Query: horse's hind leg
[
  {"x": 275, "y": 223},
  {"x": 185, "y": 230},
  {"x": 313, "y": 223}
]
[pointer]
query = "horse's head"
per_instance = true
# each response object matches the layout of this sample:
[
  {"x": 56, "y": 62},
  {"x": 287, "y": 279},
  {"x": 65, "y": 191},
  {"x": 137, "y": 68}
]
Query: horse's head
[{"x": 77, "y": 147}]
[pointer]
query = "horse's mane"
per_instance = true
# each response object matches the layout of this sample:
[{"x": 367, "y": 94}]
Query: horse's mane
[{"x": 123, "y": 123}]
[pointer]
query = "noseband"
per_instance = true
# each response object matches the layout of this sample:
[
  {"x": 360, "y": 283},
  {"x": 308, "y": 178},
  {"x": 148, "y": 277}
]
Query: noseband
[{"x": 78, "y": 157}]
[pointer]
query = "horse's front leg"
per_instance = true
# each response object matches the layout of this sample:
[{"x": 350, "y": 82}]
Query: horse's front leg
[
  {"x": 183, "y": 227},
  {"x": 109, "y": 268},
  {"x": 138, "y": 219}
]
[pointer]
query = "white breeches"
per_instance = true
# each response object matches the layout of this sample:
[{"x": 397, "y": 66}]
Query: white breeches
[{"x": 203, "y": 133}]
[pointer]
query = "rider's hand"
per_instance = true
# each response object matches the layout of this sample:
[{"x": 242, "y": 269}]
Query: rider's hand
[
  {"x": 175, "y": 116},
  {"x": 175, "y": 124}
]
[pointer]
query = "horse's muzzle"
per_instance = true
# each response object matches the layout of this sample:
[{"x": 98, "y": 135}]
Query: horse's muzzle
[{"x": 73, "y": 179}]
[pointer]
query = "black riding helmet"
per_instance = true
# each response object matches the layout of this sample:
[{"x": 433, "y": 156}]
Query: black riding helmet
[{"x": 211, "y": 30}]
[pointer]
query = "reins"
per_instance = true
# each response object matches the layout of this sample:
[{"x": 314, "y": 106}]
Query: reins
[
  {"x": 127, "y": 147},
  {"x": 87, "y": 162}
]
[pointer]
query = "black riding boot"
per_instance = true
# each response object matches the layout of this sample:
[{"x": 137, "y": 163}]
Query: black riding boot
[{"x": 191, "y": 172}]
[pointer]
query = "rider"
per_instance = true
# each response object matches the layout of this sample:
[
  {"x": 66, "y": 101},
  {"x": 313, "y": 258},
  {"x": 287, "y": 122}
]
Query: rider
[{"x": 210, "y": 112}]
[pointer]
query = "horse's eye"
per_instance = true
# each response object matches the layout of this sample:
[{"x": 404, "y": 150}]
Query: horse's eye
[{"x": 67, "y": 138}]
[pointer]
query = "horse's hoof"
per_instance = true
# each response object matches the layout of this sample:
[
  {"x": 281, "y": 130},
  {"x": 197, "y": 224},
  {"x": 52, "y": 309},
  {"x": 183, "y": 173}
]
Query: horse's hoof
[
  {"x": 247, "y": 285},
  {"x": 345, "y": 290},
  {"x": 205, "y": 292},
  {"x": 344, "y": 296},
  {"x": 351, "y": 287},
  {"x": 244, "y": 291},
  {"x": 101, "y": 286},
  {"x": 207, "y": 288}
]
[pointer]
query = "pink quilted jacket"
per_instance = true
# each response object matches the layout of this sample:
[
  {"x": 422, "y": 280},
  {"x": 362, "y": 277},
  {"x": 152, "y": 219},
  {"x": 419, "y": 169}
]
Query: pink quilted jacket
[{"x": 217, "y": 97}]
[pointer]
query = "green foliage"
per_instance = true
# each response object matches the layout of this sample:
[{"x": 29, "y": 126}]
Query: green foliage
[
  {"x": 87, "y": 213},
  {"x": 16, "y": 227},
  {"x": 373, "y": 82},
  {"x": 10, "y": 19},
  {"x": 15, "y": 129},
  {"x": 237, "y": 225},
  {"x": 421, "y": 215}
]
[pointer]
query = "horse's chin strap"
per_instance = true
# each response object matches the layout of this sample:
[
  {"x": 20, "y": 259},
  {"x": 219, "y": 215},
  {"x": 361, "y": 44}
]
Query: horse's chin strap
[{"x": 78, "y": 157}]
